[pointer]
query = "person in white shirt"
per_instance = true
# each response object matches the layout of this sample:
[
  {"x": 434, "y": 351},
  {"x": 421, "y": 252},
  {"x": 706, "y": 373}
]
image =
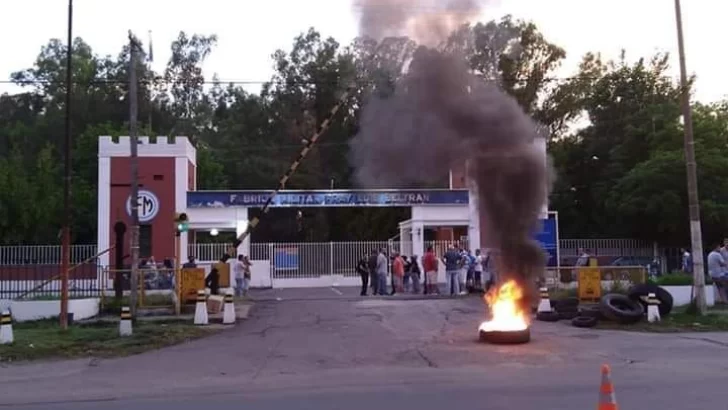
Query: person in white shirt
[
  {"x": 382, "y": 266},
  {"x": 718, "y": 270},
  {"x": 687, "y": 261},
  {"x": 239, "y": 271},
  {"x": 478, "y": 277},
  {"x": 583, "y": 259}
]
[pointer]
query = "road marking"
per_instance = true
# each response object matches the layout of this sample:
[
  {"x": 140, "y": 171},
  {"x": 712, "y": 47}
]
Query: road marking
[{"x": 337, "y": 291}]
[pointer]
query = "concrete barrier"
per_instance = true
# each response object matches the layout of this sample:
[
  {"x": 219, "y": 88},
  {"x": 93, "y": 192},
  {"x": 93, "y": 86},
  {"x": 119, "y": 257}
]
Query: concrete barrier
[
  {"x": 681, "y": 294},
  {"x": 29, "y": 310}
]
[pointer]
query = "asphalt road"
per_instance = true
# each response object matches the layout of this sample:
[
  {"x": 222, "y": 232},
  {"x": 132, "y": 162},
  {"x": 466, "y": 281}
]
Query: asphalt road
[
  {"x": 409, "y": 397},
  {"x": 328, "y": 349}
]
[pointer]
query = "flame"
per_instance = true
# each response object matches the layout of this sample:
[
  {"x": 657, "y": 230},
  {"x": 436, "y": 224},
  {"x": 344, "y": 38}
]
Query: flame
[{"x": 505, "y": 311}]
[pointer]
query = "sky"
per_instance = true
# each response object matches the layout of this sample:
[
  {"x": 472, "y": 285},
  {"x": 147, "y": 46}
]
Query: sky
[{"x": 250, "y": 31}]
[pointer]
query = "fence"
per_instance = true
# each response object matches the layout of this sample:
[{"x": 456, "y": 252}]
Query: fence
[
  {"x": 602, "y": 248},
  {"x": 43, "y": 254},
  {"x": 42, "y": 282},
  {"x": 568, "y": 276},
  {"x": 287, "y": 261}
]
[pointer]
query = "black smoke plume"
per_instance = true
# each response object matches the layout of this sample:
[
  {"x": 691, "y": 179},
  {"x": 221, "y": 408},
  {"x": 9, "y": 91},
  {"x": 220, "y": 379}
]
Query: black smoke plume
[{"x": 441, "y": 116}]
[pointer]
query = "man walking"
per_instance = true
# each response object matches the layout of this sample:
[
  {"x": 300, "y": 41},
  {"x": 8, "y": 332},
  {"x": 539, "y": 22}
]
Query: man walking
[{"x": 362, "y": 268}]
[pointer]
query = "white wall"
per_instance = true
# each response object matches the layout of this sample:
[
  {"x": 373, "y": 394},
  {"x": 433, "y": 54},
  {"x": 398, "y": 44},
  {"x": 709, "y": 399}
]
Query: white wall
[
  {"x": 455, "y": 213},
  {"x": 260, "y": 274},
  {"x": 30, "y": 310},
  {"x": 220, "y": 218},
  {"x": 681, "y": 294}
]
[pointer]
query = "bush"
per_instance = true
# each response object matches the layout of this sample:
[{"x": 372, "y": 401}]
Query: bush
[{"x": 676, "y": 279}]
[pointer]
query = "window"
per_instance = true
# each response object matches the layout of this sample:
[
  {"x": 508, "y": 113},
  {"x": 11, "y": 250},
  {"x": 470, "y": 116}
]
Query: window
[{"x": 145, "y": 241}]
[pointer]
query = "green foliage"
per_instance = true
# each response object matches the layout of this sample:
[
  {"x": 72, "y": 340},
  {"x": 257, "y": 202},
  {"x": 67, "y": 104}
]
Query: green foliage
[
  {"x": 621, "y": 174},
  {"x": 677, "y": 279}
]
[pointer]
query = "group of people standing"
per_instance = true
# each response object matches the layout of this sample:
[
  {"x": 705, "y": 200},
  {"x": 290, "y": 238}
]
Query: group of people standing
[{"x": 465, "y": 272}]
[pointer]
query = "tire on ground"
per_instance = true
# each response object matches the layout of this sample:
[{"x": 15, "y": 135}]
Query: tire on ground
[
  {"x": 591, "y": 311},
  {"x": 551, "y": 316},
  {"x": 584, "y": 321},
  {"x": 567, "y": 308},
  {"x": 570, "y": 302},
  {"x": 512, "y": 337},
  {"x": 665, "y": 298},
  {"x": 568, "y": 315},
  {"x": 621, "y": 308}
]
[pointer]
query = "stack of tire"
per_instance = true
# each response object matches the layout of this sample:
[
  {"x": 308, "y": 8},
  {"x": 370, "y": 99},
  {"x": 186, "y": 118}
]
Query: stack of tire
[
  {"x": 624, "y": 309},
  {"x": 561, "y": 309}
]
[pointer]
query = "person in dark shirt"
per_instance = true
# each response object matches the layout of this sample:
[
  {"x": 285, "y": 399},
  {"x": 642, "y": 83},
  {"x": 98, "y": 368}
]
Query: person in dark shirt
[
  {"x": 190, "y": 264},
  {"x": 212, "y": 281},
  {"x": 362, "y": 268},
  {"x": 413, "y": 272},
  {"x": 452, "y": 261}
]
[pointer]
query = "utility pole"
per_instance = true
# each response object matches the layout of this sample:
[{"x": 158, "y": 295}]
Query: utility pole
[
  {"x": 134, "y": 165},
  {"x": 696, "y": 235},
  {"x": 66, "y": 234}
]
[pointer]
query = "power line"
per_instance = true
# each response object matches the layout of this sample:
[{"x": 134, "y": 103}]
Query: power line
[
  {"x": 263, "y": 148},
  {"x": 102, "y": 81}
]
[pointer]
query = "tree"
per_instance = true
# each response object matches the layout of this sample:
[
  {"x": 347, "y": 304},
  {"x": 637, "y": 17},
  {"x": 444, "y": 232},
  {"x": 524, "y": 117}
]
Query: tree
[
  {"x": 652, "y": 197},
  {"x": 632, "y": 111},
  {"x": 613, "y": 128}
]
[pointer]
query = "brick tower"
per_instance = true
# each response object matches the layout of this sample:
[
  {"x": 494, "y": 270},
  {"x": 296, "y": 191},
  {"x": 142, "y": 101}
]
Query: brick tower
[{"x": 167, "y": 170}]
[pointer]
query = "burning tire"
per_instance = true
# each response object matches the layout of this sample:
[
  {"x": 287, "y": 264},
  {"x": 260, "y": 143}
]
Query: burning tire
[
  {"x": 665, "y": 298},
  {"x": 584, "y": 321},
  {"x": 621, "y": 308},
  {"x": 551, "y": 316},
  {"x": 504, "y": 337}
]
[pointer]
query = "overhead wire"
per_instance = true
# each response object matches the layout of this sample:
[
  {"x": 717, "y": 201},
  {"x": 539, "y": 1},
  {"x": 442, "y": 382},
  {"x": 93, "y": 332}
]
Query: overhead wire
[{"x": 103, "y": 81}]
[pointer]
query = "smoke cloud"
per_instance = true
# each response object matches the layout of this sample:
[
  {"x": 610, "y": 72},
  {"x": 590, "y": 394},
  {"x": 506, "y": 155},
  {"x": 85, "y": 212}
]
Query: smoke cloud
[{"x": 441, "y": 116}]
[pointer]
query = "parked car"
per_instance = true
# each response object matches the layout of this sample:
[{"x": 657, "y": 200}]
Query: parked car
[{"x": 652, "y": 264}]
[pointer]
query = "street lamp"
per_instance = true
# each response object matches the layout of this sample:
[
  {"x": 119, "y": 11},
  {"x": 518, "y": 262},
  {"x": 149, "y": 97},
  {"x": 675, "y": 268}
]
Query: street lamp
[{"x": 696, "y": 235}]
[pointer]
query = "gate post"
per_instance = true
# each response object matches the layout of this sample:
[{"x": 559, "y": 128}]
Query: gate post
[
  {"x": 331, "y": 258},
  {"x": 271, "y": 264},
  {"x": 119, "y": 231}
]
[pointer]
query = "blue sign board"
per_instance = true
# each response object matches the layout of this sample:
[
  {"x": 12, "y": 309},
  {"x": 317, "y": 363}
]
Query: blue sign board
[
  {"x": 286, "y": 258},
  {"x": 335, "y": 198},
  {"x": 548, "y": 238}
]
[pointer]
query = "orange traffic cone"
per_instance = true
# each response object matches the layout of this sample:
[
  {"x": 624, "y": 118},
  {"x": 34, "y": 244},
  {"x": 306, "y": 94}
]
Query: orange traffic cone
[{"x": 607, "y": 400}]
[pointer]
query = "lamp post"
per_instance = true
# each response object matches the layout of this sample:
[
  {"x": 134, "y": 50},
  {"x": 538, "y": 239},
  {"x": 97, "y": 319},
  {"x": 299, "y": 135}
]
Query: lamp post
[
  {"x": 66, "y": 231},
  {"x": 696, "y": 236}
]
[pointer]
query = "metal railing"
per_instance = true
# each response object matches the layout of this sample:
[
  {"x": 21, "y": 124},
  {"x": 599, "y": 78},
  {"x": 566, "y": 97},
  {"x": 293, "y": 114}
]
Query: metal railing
[
  {"x": 51, "y": 254},
  {"x": 312, "y": 260},
  {"x": 622, "y": 276},
  {"x": 41, "y": 282},
  {"x": 207, "y": 251},
  {"x": 606, "y": 247},
  {"x": 43, "y": 254}
]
